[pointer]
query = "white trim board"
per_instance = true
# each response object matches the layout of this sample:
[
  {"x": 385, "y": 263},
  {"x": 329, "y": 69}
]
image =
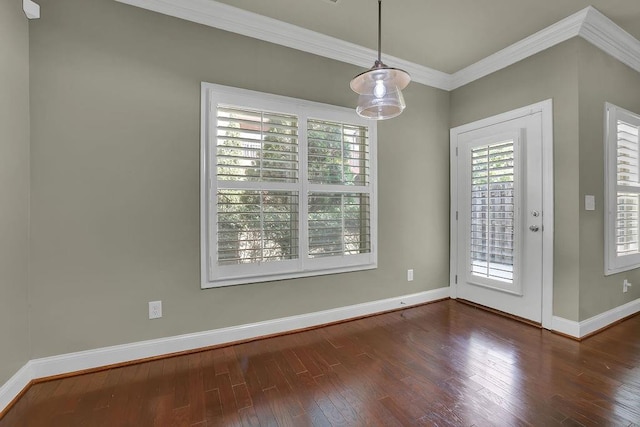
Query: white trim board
[
  {"x": 605, "y": 34},
  {"x": 236, "y": 20},
  {"x": 588, "y": 23},
  {"x": 595, "y": 323},
  {"x": 15, "y": 385},
  {"x": 555, "y": 34},
  {"x": 73, "y": 362}
]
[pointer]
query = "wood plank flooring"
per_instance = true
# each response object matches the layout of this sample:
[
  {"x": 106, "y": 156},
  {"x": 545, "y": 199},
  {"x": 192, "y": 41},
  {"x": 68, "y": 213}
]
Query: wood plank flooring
[{"x": 444, "y": 364}]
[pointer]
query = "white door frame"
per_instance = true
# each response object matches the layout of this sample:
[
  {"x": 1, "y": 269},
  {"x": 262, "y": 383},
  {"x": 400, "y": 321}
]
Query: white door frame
[{"x": 546, "y": 108}]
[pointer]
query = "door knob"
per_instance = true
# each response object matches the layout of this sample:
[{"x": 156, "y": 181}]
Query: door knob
[{"x": 534, "y": 228}]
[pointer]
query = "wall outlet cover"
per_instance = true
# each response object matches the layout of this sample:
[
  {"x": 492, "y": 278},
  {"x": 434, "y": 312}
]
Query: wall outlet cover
[{"x": 155, "y": 309}]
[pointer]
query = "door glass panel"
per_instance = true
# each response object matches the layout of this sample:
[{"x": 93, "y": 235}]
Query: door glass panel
[{"x": 492, "y": 211}]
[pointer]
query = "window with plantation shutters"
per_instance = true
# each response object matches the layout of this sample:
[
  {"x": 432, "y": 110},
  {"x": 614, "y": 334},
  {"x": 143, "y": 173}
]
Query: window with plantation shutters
[
  {"x": 338, "y": 203},
  {"x": 622, "y": 176},
  {"x": 288, "y": 188}
]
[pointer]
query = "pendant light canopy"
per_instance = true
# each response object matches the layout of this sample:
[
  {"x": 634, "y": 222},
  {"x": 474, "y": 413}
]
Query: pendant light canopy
[{"x": 380, "y": 87}]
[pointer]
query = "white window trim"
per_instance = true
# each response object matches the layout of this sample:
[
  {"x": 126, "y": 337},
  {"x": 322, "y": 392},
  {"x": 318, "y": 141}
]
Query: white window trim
[
  {"x": 612, "y": 262},
  {"x": 211, "y": 96}
]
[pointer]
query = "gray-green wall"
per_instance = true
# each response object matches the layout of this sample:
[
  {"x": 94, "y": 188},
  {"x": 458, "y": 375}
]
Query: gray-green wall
[
  {"x": 602, "y": 79},
  {"x": 112, "y": 175},
  {"x": 14, "y": 187},
  {"x": 553, "y": 74},
  {"x": 115, "y": 183}
]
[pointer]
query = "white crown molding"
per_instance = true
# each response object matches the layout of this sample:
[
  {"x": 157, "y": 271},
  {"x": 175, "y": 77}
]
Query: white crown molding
[
  {"x": 233, "y": 19},
  {"x": 605, "y": 34},
  {"x": 31, "y": 9},
  {"x": 542, "y": 40},
  {"x": 588, "y": 23}
]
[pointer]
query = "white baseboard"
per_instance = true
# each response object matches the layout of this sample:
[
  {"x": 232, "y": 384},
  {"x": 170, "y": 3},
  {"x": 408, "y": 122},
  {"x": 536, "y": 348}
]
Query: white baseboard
[
  {"x": 565, "y": 326},
  {"x": 608, "y": 317},
  {"x": 14, "y": 386},
  {"x": 73, "y": 362},
  {"x": 586, "y": 327}
]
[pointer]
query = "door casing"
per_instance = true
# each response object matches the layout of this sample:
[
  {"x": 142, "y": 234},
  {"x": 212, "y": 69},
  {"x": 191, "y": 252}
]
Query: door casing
[{"x": 546, "y": 110}]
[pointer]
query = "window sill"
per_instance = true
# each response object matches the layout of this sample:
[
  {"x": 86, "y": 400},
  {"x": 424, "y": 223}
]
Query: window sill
[{"x": 285, "y": 276}]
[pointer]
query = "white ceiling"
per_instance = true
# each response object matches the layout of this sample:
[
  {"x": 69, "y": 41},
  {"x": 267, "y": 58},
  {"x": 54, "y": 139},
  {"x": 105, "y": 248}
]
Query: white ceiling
[{"x": 446, "y": 35}]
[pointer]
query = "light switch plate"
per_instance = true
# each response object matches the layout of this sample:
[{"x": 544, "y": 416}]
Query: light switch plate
[{"x": 589, "y": 202}]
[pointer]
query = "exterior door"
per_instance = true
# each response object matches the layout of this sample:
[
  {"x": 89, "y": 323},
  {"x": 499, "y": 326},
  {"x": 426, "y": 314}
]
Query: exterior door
[{"x": 498, "y": 259}]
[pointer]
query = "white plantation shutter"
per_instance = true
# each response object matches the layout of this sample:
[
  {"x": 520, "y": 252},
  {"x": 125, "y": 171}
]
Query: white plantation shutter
[
  {"x": 339, "y": 224},
  {"x": 623, "y": 190},
  {"x": 258, "y": 221},
  {"x": 338, "y": 153},
  {"x": 256, "y": 146},
  {"x": 492, "y": 211},
  {"x": 339, "y": 216},
  {"x": 284, "y": 195},
  {"x": 256, "y": 226},
  {"x": 628, "y": 189}
]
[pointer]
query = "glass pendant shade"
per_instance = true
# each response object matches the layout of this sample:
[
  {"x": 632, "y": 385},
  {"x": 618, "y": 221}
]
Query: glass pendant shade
[
  {"x": 380, "y": 90},
  {"x": 380, "y": 87}
]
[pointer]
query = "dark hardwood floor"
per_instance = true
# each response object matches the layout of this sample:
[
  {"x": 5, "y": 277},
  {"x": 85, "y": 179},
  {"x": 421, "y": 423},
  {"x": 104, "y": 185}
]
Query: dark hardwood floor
[{"x": 446, "y": 364}]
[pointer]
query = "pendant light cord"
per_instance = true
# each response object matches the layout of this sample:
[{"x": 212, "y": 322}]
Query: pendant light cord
[
  {"x": 380, "y": 31},
  {"x": 380, "y": 87}
]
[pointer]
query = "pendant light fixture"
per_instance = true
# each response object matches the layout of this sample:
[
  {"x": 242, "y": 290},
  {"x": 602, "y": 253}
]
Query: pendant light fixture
[{"x": 380, "y": 87}]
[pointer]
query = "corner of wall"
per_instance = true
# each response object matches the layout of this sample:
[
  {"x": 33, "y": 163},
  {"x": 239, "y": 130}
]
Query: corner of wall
[
  {"x": 14, "y": 186},
  {"x": 601, "y": 78}
]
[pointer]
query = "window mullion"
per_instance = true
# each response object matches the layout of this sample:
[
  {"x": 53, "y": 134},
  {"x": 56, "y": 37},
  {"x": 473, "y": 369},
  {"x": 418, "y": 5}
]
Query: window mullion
[
  {"x": 336, "y": 188},
  {"x": 627, "y": 189},
  {"x": 342, "y": 213},
  {"x": 342, "y": 205},
  {"x": 262, "y": 232},
  {"x": 342, "y": 153},
  {"x": 261, "y": 146},
  {"x": 256, "y": 186},
  {"x": 303, "y": 185}
]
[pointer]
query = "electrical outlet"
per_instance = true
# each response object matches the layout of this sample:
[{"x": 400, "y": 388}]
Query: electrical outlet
[
  {"x": 410, "y": 275},
  {"x": 625, "y": 286},
  {"x": 155, "y": 309}
]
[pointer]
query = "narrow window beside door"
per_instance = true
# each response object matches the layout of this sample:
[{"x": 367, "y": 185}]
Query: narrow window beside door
[{"x": 622, "y": 178}]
